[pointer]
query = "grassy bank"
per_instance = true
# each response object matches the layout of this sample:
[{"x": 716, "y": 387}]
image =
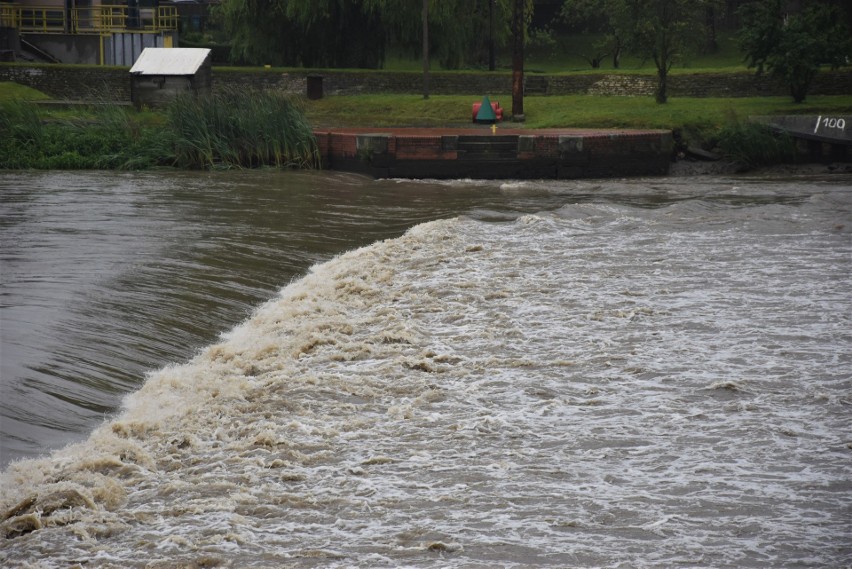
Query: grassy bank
[
  {"x": 580, "y": 111},
  {"x": 228, "y": 130},
  {"x": 264, "y": 128}
]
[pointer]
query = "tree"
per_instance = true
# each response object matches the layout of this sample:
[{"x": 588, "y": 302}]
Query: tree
[
  {"x": 661, "y": 30},
  {"x": 459, "y": 30},
  {"x": 597, "y": 16},
  {"x": 425, "y": 23},
  {"x": 664, "y": 30},
  {"x": 355, "y": 33},
  {"x": 315, "y": 33},
  {"x": 793, "y": 46},
  {"x": 518, "y": 33}
]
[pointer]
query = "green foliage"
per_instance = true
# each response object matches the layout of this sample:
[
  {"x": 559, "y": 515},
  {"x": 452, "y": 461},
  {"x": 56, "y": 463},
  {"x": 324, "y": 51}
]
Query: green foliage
[
  {"x": 664, "y": 31},
  {"x": 239, "y": 128},
  {"x": 232, "y": 129},
  {"x": 309, "y": 33},
  {"x": 603, "y": 17},
  {"x": 20, "y": 133},
  {"x": 793, "y": 46},
  {"x": 353, "y": 33},
  {"x": 753, "y": 145},
  {"x": 459, "y": 30},
  {"x": 102, "y": 137}
]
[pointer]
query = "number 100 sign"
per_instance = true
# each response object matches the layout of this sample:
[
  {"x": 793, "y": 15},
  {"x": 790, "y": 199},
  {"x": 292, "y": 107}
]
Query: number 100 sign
[{"x": 830, "y": 122}]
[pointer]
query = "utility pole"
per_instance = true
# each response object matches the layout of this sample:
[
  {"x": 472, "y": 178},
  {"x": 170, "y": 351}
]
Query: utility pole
[
  {"x": 425, "y": 49},
  {"x": 518, "y": 61}
]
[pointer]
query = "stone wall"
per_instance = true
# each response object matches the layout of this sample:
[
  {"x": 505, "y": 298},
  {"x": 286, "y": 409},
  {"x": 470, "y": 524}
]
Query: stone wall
[
  {"x": 744, "y": 84},
  {"x": 81, "y": 82},
  {"x": 113, "y": 83}
]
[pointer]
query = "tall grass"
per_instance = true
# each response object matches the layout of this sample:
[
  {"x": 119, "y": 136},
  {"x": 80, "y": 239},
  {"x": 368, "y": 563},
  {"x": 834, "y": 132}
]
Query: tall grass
[
  {"x": 20, "y": 121},
  {"x": 99, "y": 137},
  {"x": 231, "y": 129},
  {"x": 752, "y": 144},
  {"x": 240, "y": 128}
]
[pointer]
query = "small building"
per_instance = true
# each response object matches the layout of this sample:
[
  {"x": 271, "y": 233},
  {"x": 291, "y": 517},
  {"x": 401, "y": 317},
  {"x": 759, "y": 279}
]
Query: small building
[{"x": 160, "y": 74}]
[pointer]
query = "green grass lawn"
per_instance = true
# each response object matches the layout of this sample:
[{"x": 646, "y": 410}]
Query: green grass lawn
[
  {"x": 581, "y": 111},
  {"x": 14, "y": 92}
]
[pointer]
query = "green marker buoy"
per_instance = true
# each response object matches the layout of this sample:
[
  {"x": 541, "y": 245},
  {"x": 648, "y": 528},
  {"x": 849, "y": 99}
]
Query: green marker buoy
[{"x": 486, "y": 112}]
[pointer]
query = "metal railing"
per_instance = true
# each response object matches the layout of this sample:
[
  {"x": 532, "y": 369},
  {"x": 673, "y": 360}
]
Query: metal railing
[{"x": 89, "y": 20}]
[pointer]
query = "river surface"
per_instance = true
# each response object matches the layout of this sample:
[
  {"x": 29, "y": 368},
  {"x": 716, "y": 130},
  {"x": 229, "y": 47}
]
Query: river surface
[{"x": 307, "y": 369}]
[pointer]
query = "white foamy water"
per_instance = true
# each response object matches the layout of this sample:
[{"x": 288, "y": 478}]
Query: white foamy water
[{"x": 599, "y": 386}]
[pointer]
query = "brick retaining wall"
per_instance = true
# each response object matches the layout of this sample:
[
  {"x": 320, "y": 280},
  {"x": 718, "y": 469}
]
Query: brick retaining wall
[
  {"x": 113, "y": 83},
  {"x": 514, "y": 154}
]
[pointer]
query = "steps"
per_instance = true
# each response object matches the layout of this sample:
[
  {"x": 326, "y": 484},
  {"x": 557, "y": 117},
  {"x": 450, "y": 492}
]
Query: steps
[{"x": 488, "y": 148}]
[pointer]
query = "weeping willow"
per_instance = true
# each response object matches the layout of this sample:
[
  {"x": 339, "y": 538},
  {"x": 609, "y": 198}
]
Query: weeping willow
[
  {"x": 356, "y": 33},
  {"x": 308, "y": 34}
]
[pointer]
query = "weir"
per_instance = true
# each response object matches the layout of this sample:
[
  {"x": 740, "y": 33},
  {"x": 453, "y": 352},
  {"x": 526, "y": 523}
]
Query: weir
[{"x": 503, "y": 154}]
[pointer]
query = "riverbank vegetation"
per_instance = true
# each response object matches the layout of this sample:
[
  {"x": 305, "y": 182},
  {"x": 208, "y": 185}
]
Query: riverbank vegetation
[
  {"x": 264, "y": 128},
  {"x": 228, "y": 130},
  {"x": 240, "y": 129}
]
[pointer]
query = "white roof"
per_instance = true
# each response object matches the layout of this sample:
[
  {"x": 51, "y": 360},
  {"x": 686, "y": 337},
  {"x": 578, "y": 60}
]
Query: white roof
[{"x": 169, "y": 61}]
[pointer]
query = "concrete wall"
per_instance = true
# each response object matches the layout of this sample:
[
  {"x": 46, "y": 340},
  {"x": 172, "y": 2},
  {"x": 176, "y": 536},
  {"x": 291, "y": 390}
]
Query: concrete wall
[
  {"x": 160, "y": 90},
  {"x": 9, "y": 43},
  {"x": 114, "y": 83},
  {"x": 68, "y": 48}
]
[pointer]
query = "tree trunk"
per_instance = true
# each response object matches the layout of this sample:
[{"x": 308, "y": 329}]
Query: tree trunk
[
  {"x": 425, "y": 49},
  {"x": 492, "y": 65},
  {"x": 800, "y": 84},
  {"x": 662, "y": 76},
  {"x": 518, "y": 60},
  {"x": 711, "y": 43}
]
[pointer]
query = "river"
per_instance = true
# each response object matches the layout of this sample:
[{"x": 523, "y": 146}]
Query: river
[{"x": 313, "y": 369}]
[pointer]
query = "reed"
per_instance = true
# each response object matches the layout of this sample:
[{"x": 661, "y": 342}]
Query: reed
[
  {"x": 242, "y": 129},
  {"x": 226, "y": 130},
  {"x": 95, "y": 137},
  {"x": 752, "y": 144},
  {"x": 20, "y": 121}
]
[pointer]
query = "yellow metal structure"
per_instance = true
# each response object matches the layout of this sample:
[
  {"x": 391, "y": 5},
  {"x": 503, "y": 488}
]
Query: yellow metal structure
[{"x": 89, "y": 20}]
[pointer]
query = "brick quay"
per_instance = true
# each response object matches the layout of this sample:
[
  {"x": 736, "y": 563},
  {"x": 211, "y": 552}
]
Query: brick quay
[{"x": 496, "y": 153}]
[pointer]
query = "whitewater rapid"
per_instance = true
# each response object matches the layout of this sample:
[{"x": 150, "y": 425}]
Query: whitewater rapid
[{"x": 603, "y": 385}]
